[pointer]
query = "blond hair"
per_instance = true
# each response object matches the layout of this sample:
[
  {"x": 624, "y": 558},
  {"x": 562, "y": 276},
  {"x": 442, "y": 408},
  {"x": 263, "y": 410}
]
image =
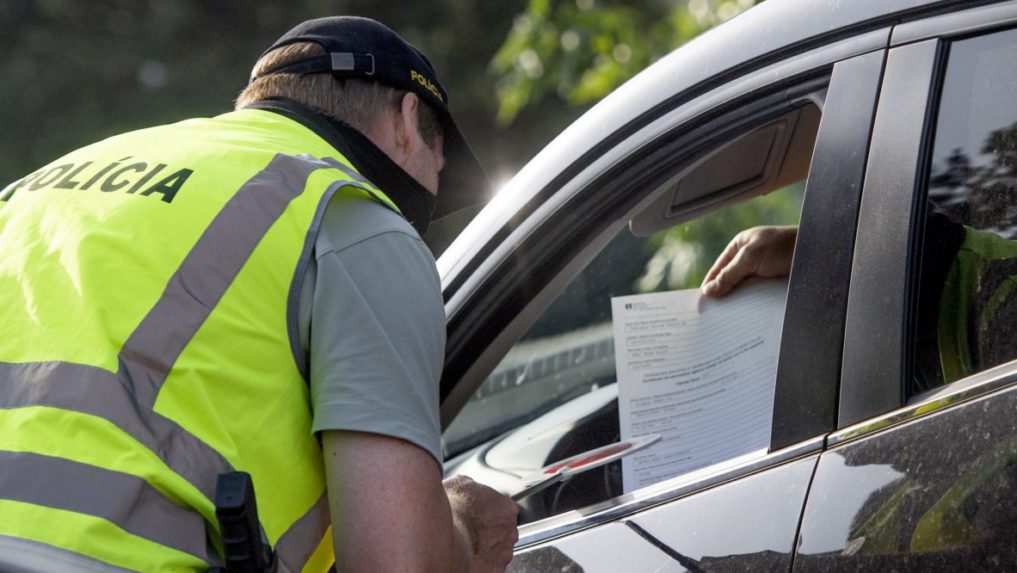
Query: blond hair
[{"x": 357, "y": 102}]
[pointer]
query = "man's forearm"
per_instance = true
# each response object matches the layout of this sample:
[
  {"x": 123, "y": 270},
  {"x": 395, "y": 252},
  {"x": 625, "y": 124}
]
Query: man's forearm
[{"x": 392, "y": 512}]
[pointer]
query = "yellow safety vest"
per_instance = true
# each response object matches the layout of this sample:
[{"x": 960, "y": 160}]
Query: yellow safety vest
[{"x": 148, "y": 341}]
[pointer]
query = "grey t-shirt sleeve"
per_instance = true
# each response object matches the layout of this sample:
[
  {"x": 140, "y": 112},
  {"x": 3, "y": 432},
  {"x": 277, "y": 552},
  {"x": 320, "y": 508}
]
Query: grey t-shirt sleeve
[{"x": 376, "y": 333}]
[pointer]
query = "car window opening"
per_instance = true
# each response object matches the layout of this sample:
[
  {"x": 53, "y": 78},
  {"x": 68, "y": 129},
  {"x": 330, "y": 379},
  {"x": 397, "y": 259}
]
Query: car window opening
[{"x": 555, "y": 393}]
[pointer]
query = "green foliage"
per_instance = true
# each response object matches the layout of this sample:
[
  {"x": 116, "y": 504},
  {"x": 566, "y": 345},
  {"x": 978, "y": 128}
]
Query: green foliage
[{"x": 579, "y": 50}]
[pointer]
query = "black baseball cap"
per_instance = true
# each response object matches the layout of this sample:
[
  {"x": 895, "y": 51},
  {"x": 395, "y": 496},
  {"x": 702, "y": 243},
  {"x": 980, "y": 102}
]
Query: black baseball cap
[{"x": 363, "y": 48}]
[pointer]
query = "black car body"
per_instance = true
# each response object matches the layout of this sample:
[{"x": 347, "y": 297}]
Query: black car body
[{"x": 888, "y": 111}]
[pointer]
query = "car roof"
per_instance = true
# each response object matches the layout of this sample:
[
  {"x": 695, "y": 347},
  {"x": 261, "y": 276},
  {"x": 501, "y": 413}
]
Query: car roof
[{"x": 763, "y": 34}]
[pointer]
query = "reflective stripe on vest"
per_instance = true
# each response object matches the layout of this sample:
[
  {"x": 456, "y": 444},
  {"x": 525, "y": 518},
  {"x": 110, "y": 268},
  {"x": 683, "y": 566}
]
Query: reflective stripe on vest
[
  {"x": 19, "y": 555},
  {"x": 203, "y": 383}
]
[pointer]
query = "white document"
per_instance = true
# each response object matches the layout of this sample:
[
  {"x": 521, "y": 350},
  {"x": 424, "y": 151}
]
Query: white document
[{"x": 699, "y": 371}]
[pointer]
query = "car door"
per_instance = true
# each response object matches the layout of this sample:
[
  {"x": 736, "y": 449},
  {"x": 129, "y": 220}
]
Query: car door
[
  {"x": 674, "y": 192},
  {"x": 922, "y": 472}
]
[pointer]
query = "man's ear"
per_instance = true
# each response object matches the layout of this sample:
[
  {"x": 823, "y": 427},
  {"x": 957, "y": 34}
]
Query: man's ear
[
  {"x": 406, "y": 123},
  {"x": 396, "y": 132}
]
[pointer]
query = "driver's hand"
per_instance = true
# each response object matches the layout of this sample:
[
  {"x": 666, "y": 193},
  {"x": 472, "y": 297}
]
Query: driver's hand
[
  {"x": 763, "y": 252},
  {"x": 489, "y": 519}
]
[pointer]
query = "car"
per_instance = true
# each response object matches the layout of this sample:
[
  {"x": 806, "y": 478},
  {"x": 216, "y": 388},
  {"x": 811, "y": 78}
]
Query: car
[{"x": 860, "y": 122}]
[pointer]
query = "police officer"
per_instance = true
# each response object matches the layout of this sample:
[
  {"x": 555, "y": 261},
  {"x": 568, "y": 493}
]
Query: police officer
[{"x": 244, "y": 292}]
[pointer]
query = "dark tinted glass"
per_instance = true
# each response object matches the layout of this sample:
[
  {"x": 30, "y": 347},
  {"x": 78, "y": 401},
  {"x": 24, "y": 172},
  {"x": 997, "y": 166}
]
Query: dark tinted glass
[
  {"x": 967, "y": 314},
  {"x": 974, "y": 163}
]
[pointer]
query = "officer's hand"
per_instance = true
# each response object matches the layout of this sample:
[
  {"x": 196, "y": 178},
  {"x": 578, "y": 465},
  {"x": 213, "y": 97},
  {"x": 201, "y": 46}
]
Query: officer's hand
[
  {"x": 489, "y": 520},
  {"x": 763, "y": 252}
]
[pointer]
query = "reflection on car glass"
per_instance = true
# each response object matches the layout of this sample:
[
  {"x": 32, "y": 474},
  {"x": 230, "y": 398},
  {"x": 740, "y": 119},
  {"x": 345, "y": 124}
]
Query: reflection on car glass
[
  {"x": 974, "y": 166},
  {"x": 967, "y": 309},
  {"x": 699, "y": 371}
]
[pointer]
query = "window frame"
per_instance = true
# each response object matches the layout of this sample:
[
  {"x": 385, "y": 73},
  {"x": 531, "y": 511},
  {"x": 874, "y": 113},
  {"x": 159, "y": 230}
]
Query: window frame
[
  {"x": 512, "y": 284},
  {"x": 813, "y": 336},
  {"x": 875, "y": 358}
]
